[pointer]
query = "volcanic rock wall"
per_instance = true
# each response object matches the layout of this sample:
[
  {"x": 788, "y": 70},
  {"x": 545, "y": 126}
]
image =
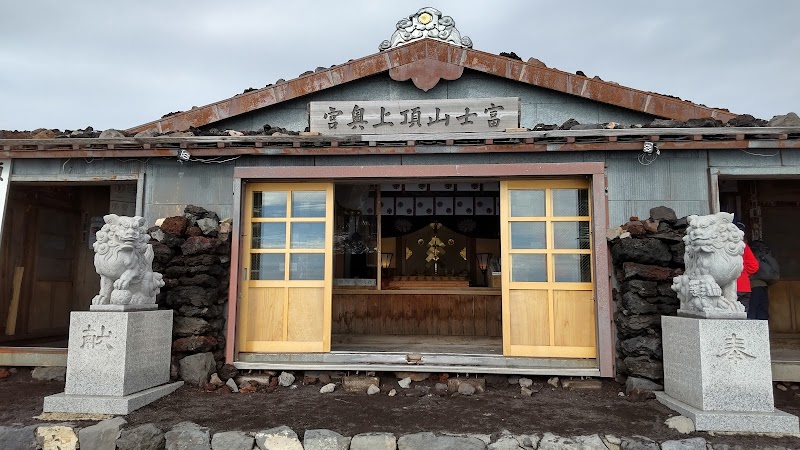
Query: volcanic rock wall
[
  {"x": 193, "y": 253},
  {"x": 646, "y": 256}
]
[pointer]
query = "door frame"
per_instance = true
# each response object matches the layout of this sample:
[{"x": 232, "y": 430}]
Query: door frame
[
  {"x": 594, "y": 170},
  {"x": 50, "y": 356}
]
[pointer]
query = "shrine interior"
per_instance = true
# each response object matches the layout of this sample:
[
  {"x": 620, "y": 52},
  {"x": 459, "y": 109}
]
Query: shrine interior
[{"x": 417, "y": 267}]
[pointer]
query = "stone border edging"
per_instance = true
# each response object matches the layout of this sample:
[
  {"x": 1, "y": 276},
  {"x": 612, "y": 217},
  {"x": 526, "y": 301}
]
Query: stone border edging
[{"x": 109, "y": 434}]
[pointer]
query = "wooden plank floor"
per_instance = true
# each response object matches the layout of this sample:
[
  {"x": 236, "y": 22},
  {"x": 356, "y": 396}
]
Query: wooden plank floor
[{"x": 475, "y": 345}]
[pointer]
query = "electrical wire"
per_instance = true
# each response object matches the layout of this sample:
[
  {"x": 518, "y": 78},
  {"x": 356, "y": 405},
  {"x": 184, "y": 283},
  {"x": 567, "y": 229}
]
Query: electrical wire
[
  {"x": 646, "y": 159},
  {"x": 214, "y": 160},
  {"x": 761, "y": 154}
]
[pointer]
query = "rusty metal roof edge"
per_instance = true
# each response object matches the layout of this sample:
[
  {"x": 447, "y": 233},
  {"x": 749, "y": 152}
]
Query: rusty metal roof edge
[
  {"x": 426, "y": 53},
  {"x": 361, "y": 138},
  {"x": 713, "y": 112}
]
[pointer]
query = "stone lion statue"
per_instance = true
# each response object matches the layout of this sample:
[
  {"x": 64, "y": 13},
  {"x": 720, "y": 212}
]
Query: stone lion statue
[
  {"x": 713, "y": 258},
  {"x": 124, "y": 261}
]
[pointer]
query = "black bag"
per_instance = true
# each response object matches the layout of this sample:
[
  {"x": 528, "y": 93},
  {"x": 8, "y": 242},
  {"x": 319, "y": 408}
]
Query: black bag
[{"x": 768, "y": 269}]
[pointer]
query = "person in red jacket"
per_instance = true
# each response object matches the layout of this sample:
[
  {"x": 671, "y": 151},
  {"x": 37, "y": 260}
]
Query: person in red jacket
[{"x": 750, "y": 267}]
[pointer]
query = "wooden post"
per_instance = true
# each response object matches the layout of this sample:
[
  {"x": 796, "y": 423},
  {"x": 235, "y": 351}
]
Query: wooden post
[{"x": 11, "y": 321}]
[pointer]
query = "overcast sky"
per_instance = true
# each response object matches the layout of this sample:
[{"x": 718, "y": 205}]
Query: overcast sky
[{"x": 109, "y": 64}]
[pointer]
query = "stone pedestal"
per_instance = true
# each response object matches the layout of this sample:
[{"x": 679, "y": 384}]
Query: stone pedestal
[
  {"x": 116, "y": 362},
  {"x": 718, "y": 373}
]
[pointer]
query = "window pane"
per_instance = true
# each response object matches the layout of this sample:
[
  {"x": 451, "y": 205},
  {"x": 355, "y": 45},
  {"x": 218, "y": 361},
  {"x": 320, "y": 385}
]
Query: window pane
[
  {"x": 573, "y": 268},
  {"x": 269, "y": 235},
  {"x": 528, "y": 235},
  {"x": 308, "y": 204},
  {"x": 308, "y": 235},
  {"x": 571, "y": 235},
  {"x": 570, "y": 202},
  {"x": 269, "y": 204},
  {"x": 267, "y": 266},
  {"x": 307, "y": 266},
  {"x": 527, "y": 202},
  {"x": 529, "y": 268}
]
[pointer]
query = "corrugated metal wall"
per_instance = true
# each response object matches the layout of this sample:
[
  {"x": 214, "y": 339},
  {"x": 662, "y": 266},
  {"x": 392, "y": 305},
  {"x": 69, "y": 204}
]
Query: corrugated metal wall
[
  {"x": 75, "y": 166},
  {"x": 170, "y": 186},
  {"x": 677, "y": 179}
]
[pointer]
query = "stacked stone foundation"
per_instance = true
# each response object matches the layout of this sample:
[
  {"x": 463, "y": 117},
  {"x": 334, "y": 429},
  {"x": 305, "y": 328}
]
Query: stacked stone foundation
[
  {"x": 646, "y": 255},
  {"x": 192, "y": 252}
]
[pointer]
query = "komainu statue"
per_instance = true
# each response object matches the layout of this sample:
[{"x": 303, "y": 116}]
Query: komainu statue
[
  {"x": 124, "y": 261},
  {"x": 713, "y": 258}
]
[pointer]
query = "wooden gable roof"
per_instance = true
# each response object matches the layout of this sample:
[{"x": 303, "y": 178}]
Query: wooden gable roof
[{"x": 425, "y": 62}]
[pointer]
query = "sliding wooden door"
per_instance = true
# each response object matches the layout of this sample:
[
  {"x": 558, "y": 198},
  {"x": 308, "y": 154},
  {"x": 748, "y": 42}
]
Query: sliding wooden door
[
  {"x": 287, "y": 268},
  {"x": 548, "y": 294}
]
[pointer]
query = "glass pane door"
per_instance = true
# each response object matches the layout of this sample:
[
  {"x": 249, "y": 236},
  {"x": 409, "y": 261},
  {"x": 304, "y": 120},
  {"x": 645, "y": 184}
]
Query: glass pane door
[
  {"x": 286, "y": 293},
  {"x": 548, "y": 291}
]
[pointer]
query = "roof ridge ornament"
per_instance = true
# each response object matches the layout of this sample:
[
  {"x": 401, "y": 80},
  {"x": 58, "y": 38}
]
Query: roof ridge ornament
[{"x": 426, "y": 23}]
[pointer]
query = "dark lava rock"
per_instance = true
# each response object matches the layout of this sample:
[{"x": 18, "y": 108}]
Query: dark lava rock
[
  {"x": 192, "y": 295},
  {"x": 544, "y": 127},
  {"x": 193, "y": 213},
  {"x": 202, "y": 260},
  {"x": 496, "y": 381},
  {"x": 194, "y": 344},
  {"x": 643, "y": 346},
  {"x": 227, "y": 371},
  {"x": 175, "y": 226},
  {"x": 199, "y": 244},
  {"x": 638, "y": 324},
  {"x": 162, "y": 253},
  {"x": 641, "y": 389},
  {"x": 216, "y": 271},
  {"x": 707, "y": 122},
  {"x": 746, "y": 120},
  {"x": 176, "y": 271},
  {"x": 172, "y": 241},
  {"x": 568, "y": 124},
  {"x": 201, "y": 279},
  {"x": 644, "y": 367},
  {"x": 188, "y": 326},
  {"x": 663, "y": 214},
  {"x": 641, "y": 288},
  {"x": 634, "y": 227},
  {"x": 644, "y": 251},
  {"x": 670, "y": 237},
  {"x": 511, "y": 55},
  {"x": 678, "y": 252},
  {"x": 196, "y": 311},
  {"x": 194, "y": 231},
  {"x": 665, "y": 289},
  {"x": 668, "y": 309},
  {"x": 634, "y": 304},
  {"x": 646, "y": 272}
]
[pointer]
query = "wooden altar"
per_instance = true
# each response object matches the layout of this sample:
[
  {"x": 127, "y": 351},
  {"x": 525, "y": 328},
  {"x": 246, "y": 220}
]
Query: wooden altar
[{"x": 425, "y": 281}]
